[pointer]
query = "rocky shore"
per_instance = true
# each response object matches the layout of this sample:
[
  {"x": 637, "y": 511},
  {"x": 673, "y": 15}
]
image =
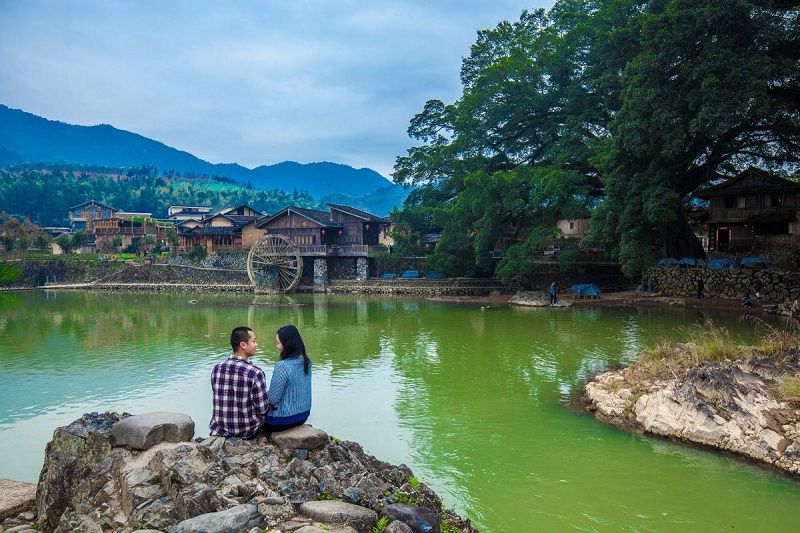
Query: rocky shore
[
  {"x": 730, "y": 404},
  {"x": 119, "y": 473}
]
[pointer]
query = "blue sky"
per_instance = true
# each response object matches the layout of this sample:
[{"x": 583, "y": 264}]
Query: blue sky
[{"x": 245, "y": 82}]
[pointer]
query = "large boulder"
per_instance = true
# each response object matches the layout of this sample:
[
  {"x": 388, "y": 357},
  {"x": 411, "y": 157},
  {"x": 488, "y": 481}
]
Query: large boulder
[
  {"x": 144, "y": 431},
  {"x": 215, "y": 484}
]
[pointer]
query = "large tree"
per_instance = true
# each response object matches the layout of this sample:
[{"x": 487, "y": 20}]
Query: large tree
[{"x": 639, "y": 101}]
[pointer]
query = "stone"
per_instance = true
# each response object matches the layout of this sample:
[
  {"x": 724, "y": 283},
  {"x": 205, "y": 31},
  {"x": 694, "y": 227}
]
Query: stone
[
  {"x": 233, "y": 520},
  {"x": 418, "y": 519},
  {"x": 336, "y": 512},
  {"x": 303, "y": 437},
  {"x": 144, "y": 431},
  {"x": 212, "y": 484},
  {"x": 398, "y": 527}
]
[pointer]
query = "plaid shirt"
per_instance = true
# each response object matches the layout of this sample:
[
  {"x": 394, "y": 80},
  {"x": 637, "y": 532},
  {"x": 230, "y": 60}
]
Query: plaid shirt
[{"x": 240, "y": 398}]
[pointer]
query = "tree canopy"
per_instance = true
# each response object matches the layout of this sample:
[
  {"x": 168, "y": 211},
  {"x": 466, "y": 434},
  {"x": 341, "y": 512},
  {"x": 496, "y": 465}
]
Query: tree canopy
[{"x": 614, "y": 109}]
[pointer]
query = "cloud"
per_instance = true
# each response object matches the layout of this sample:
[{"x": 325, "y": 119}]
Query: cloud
[{"x": 247, "y": 82}]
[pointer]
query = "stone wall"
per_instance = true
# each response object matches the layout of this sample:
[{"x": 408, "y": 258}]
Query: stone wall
[
  {"x": 779, "y": 286},
  {"x": 423, "y": 287}
]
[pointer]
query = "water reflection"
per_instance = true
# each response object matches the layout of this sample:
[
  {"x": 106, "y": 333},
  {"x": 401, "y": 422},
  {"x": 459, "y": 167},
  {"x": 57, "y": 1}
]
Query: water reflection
[{"x": 473, "y": 400}]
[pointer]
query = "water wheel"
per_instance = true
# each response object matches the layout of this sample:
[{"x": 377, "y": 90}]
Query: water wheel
[{"x": 274, "y": 264}]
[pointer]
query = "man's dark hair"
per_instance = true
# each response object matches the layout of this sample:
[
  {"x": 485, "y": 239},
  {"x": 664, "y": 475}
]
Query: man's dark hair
[{"x": 239, "y": 335}]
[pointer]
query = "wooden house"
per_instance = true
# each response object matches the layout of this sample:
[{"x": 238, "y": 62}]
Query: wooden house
[
  {"x": 131, "y": 227},
  {"x": 221, "y": 230},
  {"x": 750, "y": 205},
  {"x": 82, "y": 216},
  {"x": 342, "y": 231}
]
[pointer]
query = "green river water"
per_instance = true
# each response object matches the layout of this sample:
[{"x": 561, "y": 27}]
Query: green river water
[{"x": 480, "y": 404}]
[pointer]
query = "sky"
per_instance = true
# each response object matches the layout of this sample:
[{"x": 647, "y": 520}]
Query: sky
[{"x": 248, "y": 82}]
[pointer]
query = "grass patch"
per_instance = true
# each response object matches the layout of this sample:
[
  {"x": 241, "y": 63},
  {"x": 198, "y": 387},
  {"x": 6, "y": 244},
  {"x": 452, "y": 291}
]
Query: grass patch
[
  {"x": 708, "y": 342},
  {"x": 668, "y": 358},
  {"x": 787, "y": 389}
]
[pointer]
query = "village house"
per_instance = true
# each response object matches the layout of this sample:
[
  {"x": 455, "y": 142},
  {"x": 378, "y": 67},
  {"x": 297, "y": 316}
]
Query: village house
[
  {"x": 230, "y": 228},
  {"x": 182, "y": 213},
  {"x": 342, "y": 231},
  {"x": 751, "y": 205},
  {"x": 130, "y": 227},
  {"x": 82, "y": 216}
]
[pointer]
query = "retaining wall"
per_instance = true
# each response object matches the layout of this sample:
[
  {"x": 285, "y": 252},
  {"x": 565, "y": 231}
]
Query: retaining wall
[{"x": 779, "y": 286}]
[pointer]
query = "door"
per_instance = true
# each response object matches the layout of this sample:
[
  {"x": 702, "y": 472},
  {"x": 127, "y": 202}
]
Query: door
[{"x": 723, "y": 239}]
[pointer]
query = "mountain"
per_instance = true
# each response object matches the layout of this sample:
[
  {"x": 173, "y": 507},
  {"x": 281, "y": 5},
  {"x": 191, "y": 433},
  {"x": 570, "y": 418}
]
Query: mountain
[{"x": 25, "y": 137}]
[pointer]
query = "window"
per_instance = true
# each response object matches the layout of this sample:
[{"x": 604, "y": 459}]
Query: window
[
  {"x": 571, "y": 224},
  {"x": 776, "y": 201},
  {"x": 730, "y": 202}
]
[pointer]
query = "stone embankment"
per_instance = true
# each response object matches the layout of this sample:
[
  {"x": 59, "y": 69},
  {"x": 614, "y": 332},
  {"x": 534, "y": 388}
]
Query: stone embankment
[
  {"x": 779, "y": 286},
  {"x": 120, "y": 473},
  {"x": 729, "y": 406},
  {"x": 422, "y": 287}
]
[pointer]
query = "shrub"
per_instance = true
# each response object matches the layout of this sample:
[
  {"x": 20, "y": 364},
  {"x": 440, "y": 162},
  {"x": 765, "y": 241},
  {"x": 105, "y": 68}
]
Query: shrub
[
  {"x": 10, "y": 273},
  {"x": 198, "y": 253}
]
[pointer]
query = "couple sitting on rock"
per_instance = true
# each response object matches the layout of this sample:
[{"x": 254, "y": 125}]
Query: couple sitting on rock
[{"x": 242, "y": 404}]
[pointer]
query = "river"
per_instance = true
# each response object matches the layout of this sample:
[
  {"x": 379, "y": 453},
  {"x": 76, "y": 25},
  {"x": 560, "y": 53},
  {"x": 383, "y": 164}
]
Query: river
[{"x": 479, "y": 403}]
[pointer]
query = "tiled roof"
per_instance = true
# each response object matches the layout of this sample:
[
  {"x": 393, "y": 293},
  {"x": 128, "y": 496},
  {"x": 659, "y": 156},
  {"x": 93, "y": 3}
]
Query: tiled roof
[
  {"x": 321, "y": 218},
  {"x": 92, "y": 202},
  {"x": 359, "y": 213}
]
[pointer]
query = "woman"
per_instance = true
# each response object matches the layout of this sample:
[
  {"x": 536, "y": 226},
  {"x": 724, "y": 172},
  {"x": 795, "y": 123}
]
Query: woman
[{"x": 289, "y": 392}]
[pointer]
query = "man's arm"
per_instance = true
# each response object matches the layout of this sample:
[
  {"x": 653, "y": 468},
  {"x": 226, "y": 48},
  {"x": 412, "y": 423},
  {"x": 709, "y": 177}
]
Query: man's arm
[{"x": 258, "y": 394}]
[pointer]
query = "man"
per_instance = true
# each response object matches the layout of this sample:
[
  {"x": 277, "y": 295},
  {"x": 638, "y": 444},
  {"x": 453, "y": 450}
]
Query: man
[
  {"x": 552, "y": 290},
  {"x": 240, "y": 390}
]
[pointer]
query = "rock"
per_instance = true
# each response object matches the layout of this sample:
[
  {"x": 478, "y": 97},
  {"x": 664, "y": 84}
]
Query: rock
[
  {"x": 418, "y": 519},
  {"x": 303, "y": 437},
  {"x": 335, "y": 512},
  {"x": 233, "y": 520},
  {"x": 144, "y": 431},
  {"x": 215, "y": 483},
  {"x": 531, "y": 299},
  {"x": 71, "y": 459},
  {"x": 727, "y": 405},
  {"x": 398, "y": 527}
]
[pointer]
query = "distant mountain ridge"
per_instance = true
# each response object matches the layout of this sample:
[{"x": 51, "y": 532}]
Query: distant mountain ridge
[{"x": 25, "y": 137}]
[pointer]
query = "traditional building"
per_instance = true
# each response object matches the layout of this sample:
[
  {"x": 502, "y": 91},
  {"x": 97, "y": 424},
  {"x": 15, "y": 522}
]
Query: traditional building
[
  {"x": 180, "y": 213},
  {"x": 130, "y": 227},
  {"x": 230, "y": 228},
  {"x": 750, "y": 205},
  {"x": 342, "y": 231},
  {"x": 82, "y": 216}
]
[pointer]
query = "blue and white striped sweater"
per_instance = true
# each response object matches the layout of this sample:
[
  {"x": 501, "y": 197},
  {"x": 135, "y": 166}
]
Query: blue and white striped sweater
[{"x": 289, "y": 391}]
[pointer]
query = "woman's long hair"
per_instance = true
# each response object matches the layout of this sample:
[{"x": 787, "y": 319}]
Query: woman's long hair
[{"x": 293, "y": 345}]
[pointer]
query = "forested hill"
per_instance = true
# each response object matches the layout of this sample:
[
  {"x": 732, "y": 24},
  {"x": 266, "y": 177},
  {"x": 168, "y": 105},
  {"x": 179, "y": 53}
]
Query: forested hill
[{"x": 25, "y": 137}]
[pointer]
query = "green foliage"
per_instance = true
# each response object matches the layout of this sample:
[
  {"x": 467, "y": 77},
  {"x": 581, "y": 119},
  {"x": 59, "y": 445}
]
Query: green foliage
[
  {"x": 325, "y": 495},
  {"x": 46, "y": 195},
  {"x": 381, "y": 525},
  {"x": 10, "y": 273},
  {"x": 618, "y": 108},
  {"x": 414, "y": 482},
  {"x": 198, "y": 253}
]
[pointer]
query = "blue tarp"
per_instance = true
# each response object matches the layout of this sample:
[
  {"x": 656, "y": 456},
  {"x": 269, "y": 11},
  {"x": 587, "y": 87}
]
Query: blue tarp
[
  {"x": 691, "y": 262},
  {"x": 667, "y": 262},
  {"x": 724, "y": 262},
  {"x": 388, "y": 275},
  {"x": 583, "y": 290},
  {"x": 411, "y": 274},
  {"x": 432, "y": 274},
  {"x": 757, "y": 263}
]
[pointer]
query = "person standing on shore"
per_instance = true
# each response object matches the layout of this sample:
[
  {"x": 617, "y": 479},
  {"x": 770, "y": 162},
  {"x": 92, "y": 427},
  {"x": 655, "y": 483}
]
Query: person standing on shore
[
  {"x": 747, "y": 303},
  {"x": 552, "y": 290},
  {"x": 757, "y": 286},
  {"x": 239, "y": 390},
  {"x": 289, "y": 392},
  {"x": 701, "y": 287}
]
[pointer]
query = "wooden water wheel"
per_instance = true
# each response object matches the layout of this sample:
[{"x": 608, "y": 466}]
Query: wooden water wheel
[{"x": 274, "y": 264}]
